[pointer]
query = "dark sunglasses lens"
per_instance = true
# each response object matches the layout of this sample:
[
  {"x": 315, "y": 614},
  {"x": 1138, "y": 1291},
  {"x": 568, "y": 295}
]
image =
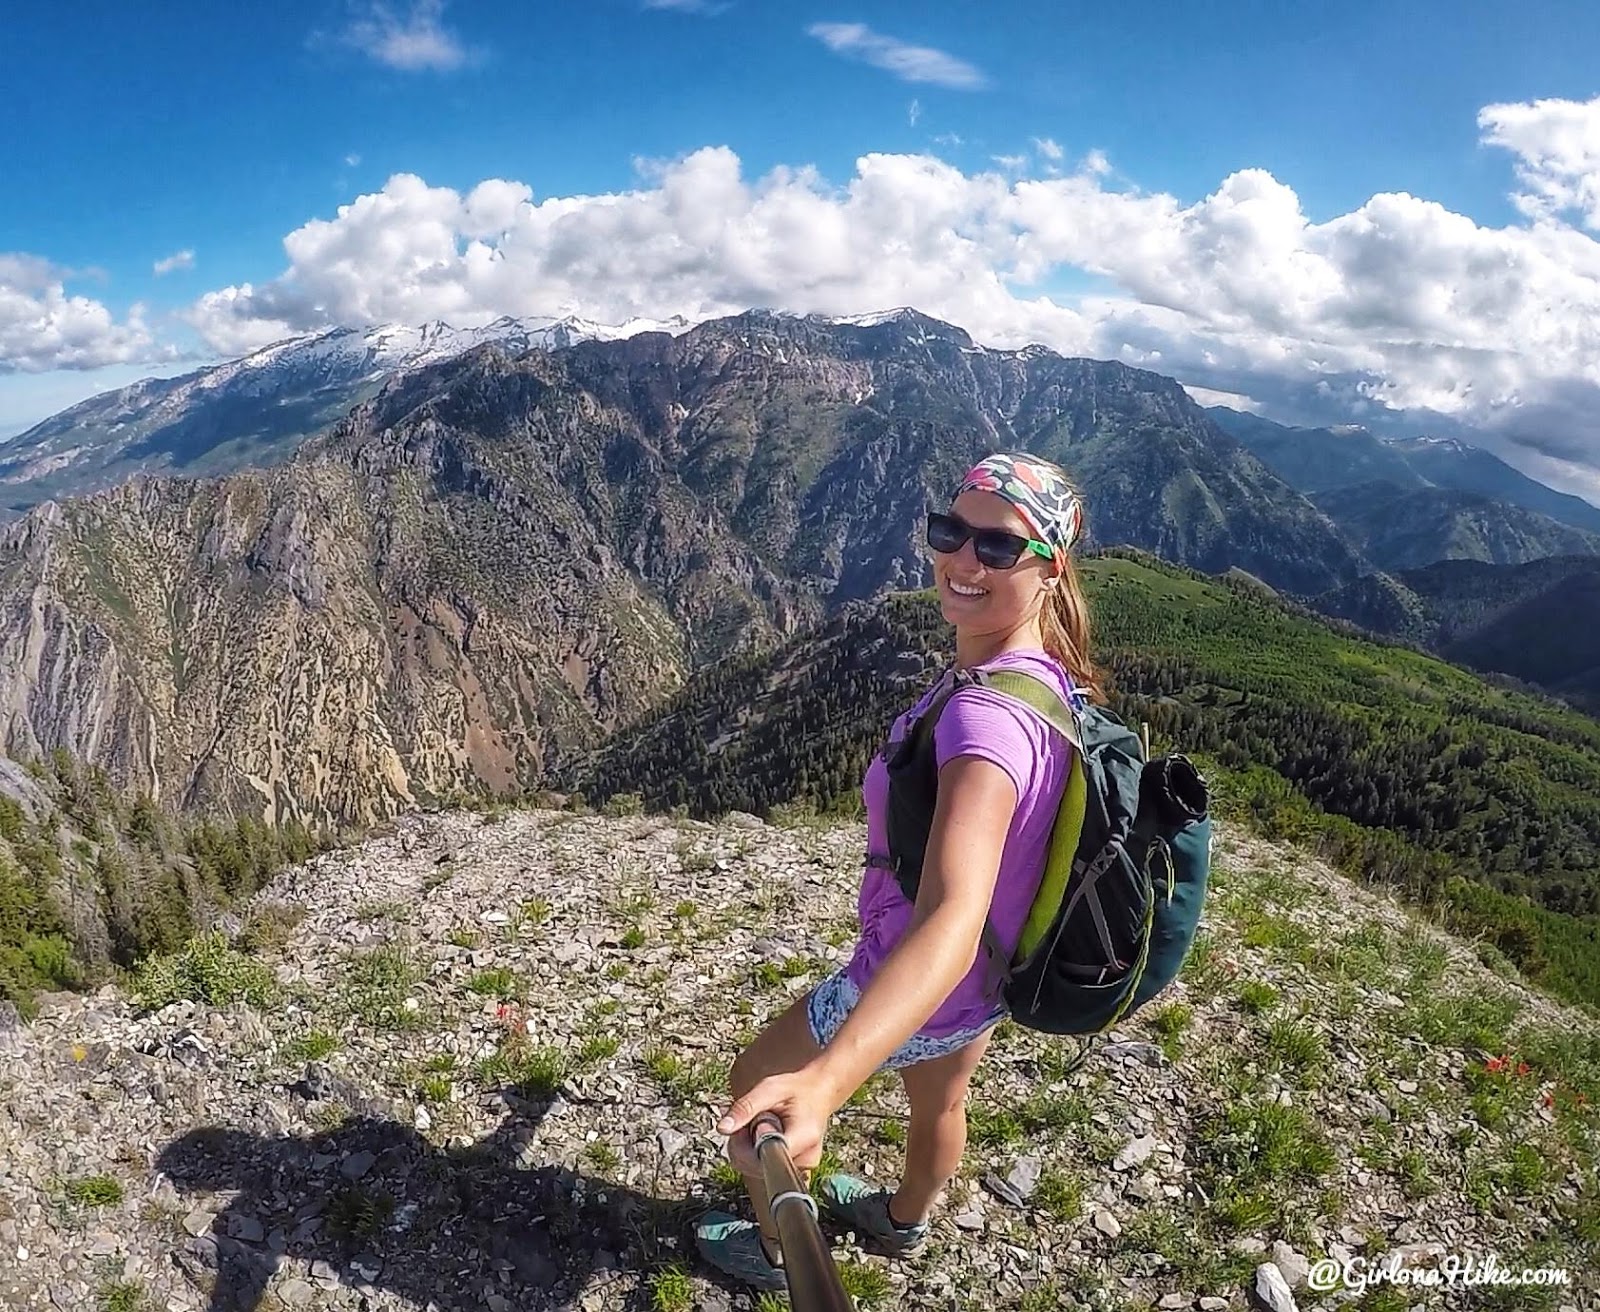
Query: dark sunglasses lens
[
  {"x": 998, "y": 550},
  {"x": 945, "y": 533}
]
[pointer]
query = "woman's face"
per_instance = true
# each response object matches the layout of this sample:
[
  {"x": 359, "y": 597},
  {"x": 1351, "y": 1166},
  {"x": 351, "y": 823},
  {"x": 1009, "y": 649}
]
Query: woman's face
[{"x": 975, "y": 597}]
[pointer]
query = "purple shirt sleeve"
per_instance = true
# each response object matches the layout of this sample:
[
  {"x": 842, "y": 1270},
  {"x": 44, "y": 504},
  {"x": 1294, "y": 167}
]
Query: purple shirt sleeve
[{"x": 987, "y": 724}]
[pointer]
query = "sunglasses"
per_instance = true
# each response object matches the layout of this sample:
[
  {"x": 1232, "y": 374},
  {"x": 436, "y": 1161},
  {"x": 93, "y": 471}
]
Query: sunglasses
[{"x": 994, "y": 546}]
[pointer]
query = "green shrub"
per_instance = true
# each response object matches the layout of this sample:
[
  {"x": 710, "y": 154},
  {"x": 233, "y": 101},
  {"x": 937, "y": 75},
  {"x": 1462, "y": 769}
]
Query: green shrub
[
  {"x": 356, "y": 1213},
  {"x": 95, "y": 1191},
  {"x": 378, "y": 984},
  {"x": 206, "y": 970},
  {"x": 671, "y": 1290},
  {"x": 269, "y": 927}
]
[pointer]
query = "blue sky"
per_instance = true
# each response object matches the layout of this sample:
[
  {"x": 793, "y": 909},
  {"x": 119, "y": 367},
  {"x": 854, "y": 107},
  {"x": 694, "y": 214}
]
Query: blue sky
[{"x": 219, "y": 130}]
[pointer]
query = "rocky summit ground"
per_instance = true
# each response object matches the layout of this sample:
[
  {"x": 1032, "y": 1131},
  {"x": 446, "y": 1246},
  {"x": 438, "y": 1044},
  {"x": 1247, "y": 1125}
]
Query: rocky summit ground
[{"x": 473, "y": 1063}]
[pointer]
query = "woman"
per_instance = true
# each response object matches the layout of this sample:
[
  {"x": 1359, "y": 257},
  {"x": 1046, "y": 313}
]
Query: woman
[{"x": 917, "y": 996}]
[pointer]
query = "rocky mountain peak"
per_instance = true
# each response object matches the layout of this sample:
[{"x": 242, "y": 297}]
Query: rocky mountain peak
[{"x": 474, "y": 1062}]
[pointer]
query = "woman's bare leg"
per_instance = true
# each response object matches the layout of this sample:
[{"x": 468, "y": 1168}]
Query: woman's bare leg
[
  {"x": 937, "y": 1091},
  {"x": 783, "y": 1047}
]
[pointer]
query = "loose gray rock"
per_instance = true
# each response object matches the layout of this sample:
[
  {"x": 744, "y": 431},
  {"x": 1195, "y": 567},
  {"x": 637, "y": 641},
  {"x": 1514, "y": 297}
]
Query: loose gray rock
[
  {"x": 1145, "y": 1053},
  {"x": 356, "y": 1165},
  {"x": 1017, "y": 1187},
  {"x": 1024, "y": 1177},
  {"x": 294, "y": 1292},
  {"x": 671, "y": 1142},
  {"x": 247, "y": 1228},
  {"x": 10, "y": 1028},
  {"x": 1294, "y": 1267},
  {"x": 1271, "y": 1291},
  {"x": 1135, "y": 1153}
]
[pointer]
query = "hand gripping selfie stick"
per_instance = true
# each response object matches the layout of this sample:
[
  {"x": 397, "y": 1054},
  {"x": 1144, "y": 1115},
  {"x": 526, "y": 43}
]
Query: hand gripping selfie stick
[{"x": 814, "y": 1284}]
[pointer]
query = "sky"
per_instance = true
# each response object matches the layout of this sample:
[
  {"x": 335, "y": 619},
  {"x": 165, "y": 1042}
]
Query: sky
[{"x": 1358, "y": 212}]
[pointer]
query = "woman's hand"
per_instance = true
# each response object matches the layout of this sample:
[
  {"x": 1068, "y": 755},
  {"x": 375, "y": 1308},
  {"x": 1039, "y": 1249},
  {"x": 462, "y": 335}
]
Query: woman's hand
[{"x": 800, "y": 1100}]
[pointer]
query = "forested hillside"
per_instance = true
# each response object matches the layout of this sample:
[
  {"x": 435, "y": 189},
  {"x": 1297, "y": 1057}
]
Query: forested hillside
[
  {"x": 1512, "y": 620},
  {"x": 92, "y": 879}
]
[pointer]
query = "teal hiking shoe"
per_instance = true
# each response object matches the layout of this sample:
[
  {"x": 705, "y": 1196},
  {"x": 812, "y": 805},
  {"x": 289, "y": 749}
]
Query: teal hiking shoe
[
  {"x": 864, "y": 1207},
  {"x": 734, "y": 1248}
]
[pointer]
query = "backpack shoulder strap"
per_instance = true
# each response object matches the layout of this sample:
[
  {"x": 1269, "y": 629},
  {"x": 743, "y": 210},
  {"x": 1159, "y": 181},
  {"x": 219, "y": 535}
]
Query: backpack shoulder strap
[{"x": 1039, "y": 695}]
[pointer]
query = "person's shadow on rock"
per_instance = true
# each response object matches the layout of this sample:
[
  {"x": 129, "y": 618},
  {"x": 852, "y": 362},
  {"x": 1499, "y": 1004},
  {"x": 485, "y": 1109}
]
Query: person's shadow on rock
[{"x": 372, "y": 1203}]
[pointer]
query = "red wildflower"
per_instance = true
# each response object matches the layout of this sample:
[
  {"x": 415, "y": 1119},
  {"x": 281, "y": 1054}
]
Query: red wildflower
[
  {"x": 1523, "y": 1068},
  {"x": 1548, "y": 1100},
  {"x": 1495, "y": 1065}
]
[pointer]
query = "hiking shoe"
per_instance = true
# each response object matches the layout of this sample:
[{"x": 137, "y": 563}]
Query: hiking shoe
[
  {"x": 734, "y": 1247},
  {"x": 865, "y": 1209}
]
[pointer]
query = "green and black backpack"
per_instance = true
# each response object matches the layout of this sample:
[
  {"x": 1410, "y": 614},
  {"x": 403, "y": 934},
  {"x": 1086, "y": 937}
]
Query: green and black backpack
[{"x": 1125, "y": 871}]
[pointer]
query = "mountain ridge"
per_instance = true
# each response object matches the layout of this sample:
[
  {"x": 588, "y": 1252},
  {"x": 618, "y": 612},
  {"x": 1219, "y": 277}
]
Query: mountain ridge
[
  {"x": 459, "y": 1065},
  {"x": 1514, "y": 620},
  {"x": 1401, "y": 529},
  {"x": 507, "y": 550},
  {"x": 252, "y": 409},
  {"x": 1323, "y": 460}
]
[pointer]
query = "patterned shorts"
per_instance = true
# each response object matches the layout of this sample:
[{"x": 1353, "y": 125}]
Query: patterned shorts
[{"x": 832, "y": 1000}]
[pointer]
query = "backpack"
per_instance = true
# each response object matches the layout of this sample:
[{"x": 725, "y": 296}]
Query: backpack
[{"x": 1125, "y": 870}]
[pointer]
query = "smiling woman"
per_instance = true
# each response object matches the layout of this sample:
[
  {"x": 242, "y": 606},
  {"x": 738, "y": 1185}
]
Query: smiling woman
[{"x": 917, "y": 995}]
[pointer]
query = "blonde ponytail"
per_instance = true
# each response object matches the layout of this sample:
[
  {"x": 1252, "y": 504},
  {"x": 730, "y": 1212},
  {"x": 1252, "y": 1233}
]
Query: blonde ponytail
[{"x": 1064, "y": 625}]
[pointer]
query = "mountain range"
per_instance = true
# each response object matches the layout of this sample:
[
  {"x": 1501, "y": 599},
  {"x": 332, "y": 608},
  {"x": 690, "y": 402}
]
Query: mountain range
[
  {"x": 510, "y": 550},
  {"x": 1407, "y": 502},
  {"x": 523, "y": 538},
  {"x": 1527, "y": 621},
  {"x": 251, "y": 411}
]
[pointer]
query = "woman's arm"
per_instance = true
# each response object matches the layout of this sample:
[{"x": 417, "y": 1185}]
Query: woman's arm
[{"x": 972, "y": 817}]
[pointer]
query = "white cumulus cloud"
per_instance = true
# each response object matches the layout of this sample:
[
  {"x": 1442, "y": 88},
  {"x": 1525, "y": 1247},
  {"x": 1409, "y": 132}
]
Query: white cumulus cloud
[
  {"x": 174, "y": 262},
  {"x": 910, "y": 63},
  {"x": 42, "y": 327},
  {"x": 1557, "y": 144},
  {"x": 417, "y": 41},
  {"x": 1047, "y": 147},
  {"x": 1399, "y": 310}
]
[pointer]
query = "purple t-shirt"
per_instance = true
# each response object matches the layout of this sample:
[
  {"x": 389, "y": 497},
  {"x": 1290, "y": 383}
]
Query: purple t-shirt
[{"x": 974, "y": 722}]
